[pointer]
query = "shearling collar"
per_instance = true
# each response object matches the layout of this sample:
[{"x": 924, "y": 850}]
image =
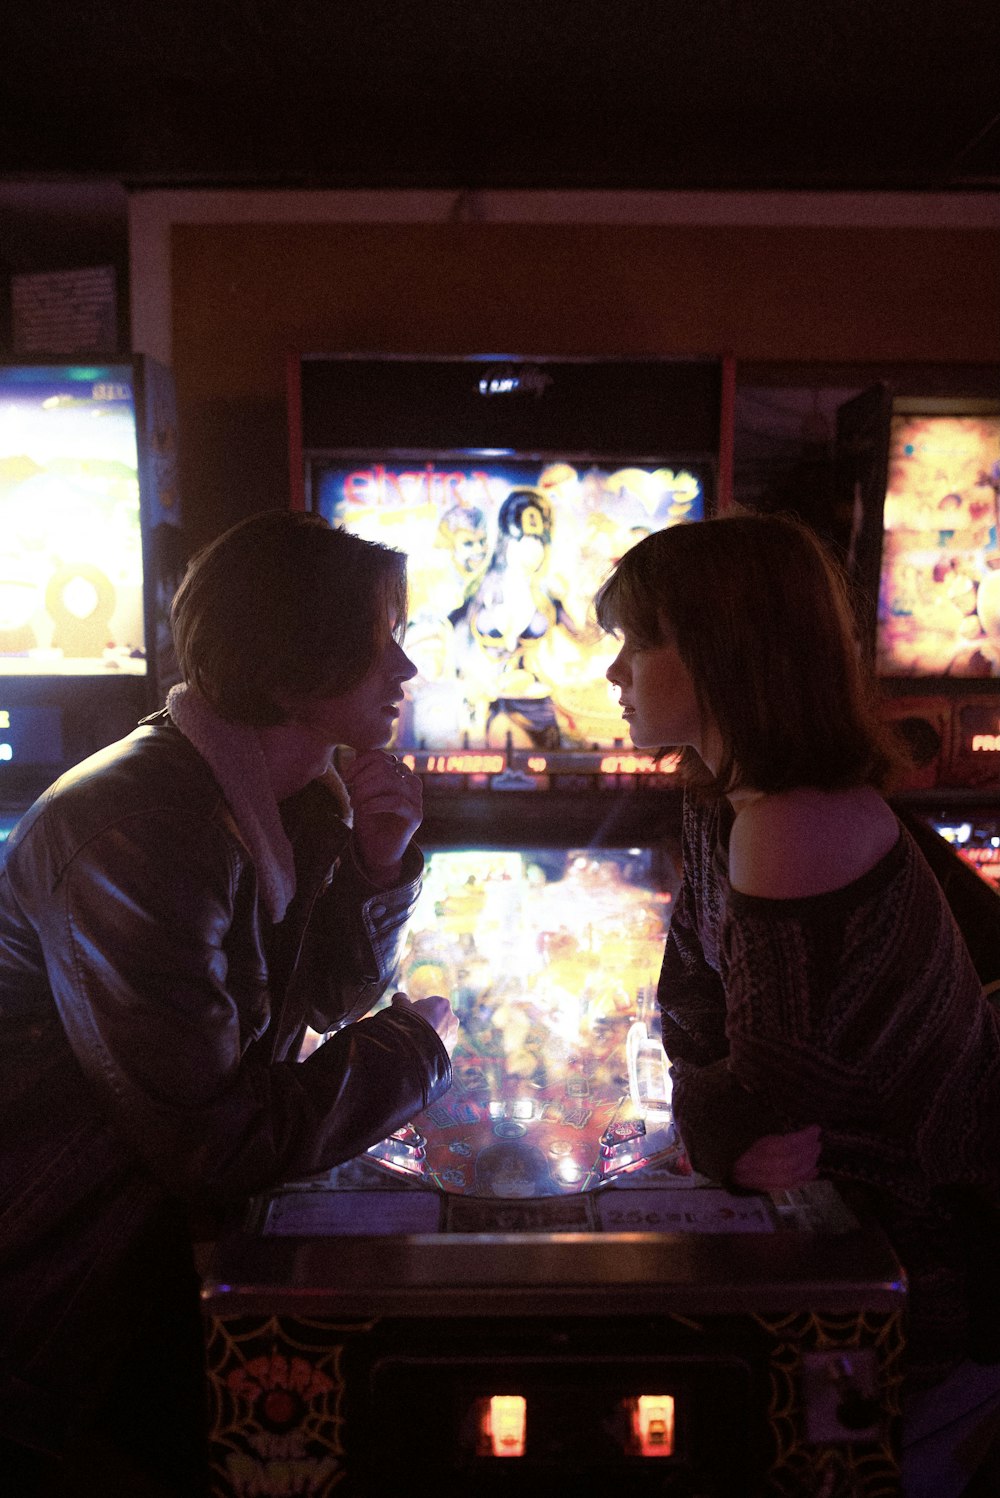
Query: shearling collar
[{"x": 234, "y": 755}]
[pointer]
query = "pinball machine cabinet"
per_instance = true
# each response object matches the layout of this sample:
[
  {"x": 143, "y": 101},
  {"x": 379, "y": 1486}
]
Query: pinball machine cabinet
[
  {"x": 589, "y": 1314},
  {"x": 660, "y": 1341}
]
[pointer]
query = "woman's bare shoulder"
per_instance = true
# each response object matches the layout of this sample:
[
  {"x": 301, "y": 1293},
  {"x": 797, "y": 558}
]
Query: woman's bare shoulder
[{"x": 807, "y": 841}]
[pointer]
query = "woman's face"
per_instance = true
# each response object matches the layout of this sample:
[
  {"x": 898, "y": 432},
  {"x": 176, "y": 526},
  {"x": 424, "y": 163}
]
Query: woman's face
[{"x": 657, "y": 695}]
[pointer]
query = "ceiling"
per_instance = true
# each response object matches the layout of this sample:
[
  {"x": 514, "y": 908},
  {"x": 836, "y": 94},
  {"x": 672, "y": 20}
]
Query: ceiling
[{"x": 560, "y": 94}]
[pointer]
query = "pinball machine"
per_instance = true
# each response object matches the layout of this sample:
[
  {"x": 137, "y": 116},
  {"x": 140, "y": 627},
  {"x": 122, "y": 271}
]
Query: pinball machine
[{"x": 527, "y": 1288}]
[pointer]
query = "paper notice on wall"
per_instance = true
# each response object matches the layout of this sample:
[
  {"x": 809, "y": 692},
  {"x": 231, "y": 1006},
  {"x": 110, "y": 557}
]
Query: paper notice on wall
[{"x": 65, "y": 311}]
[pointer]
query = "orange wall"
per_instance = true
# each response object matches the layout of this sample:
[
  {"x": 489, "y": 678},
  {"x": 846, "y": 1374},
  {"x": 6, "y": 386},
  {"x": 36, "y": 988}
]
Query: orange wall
[{"x": 244, "y": 294}]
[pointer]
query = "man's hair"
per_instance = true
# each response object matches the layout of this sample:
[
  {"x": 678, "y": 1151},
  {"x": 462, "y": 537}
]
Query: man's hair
[
  {"x": 284, "y": 603},
  {"x": 761, "y": 616}
]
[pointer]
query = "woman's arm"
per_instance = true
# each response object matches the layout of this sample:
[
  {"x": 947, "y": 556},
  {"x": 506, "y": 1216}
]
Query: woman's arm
[
  {"x": 718, "y": 1118},
  {"x": 691, "y": 994},
  {"x": 782, "y": 849}
]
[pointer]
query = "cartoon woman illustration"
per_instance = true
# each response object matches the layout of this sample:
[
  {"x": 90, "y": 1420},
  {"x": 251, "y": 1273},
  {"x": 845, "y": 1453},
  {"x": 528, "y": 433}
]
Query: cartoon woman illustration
[{"x": 510, "y": 610}]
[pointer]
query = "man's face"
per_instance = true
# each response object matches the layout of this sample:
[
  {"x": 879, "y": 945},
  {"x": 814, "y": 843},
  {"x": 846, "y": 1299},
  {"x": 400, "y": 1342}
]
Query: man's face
[{"x": 365, "y": 716}]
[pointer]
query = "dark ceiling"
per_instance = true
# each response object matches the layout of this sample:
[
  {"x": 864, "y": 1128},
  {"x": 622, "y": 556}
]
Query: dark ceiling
[{"x": 611, "y": 94}]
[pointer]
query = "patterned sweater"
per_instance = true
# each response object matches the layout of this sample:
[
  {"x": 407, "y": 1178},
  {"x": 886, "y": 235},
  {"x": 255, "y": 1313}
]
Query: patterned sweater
[{"x": 859, "y": 1010}]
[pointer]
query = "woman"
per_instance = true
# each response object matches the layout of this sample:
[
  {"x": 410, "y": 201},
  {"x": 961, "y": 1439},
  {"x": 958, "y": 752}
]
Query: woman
[
  {"x": 173, "y": 913},
  {"x": 820, "y": 1010}
]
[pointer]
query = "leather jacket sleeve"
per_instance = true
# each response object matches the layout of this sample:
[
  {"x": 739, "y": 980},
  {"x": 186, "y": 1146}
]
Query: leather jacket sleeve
[
  {"x": 352, "y": 944},
  {"x": 157, "y": 1003}
]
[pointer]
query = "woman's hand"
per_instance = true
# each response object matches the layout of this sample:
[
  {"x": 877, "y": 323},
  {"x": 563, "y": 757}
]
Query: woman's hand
[
  {"x": 776, "y": 1162},
  {"x": 438, "y": 1013},
  {"x": 388, "y": 808}
]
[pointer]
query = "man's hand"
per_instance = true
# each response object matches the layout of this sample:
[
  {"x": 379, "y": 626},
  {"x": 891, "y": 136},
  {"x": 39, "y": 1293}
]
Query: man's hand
[
  {"x": 388, "y": 808},
  {"x": 437, "y": 1011},
  {"x": 776, "y": 1162}
]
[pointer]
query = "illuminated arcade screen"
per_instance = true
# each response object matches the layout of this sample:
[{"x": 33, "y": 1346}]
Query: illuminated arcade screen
[
  {"x": 939, "y": 595},
  {"x": 71, "y": 578},
  {"x": 505, "y": 558},
  {"x": 551, "y": 958},
  {"x": 977, "y": 839}
]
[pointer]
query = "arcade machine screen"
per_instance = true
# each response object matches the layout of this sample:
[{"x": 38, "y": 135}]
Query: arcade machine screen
[
  {"x": 88, "y": 521},
  {"x": 71, "y": 573},
  {"x": 977, "y": 838}
]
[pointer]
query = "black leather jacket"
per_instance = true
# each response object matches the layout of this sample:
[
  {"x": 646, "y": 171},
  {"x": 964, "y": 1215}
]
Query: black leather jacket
[{"x": 149, "y": 1014}]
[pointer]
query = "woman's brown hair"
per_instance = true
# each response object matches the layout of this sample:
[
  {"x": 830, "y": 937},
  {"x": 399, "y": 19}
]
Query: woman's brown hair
[
  {"x": 284, "y": 604},
  {"x": 761, "y": 616}
]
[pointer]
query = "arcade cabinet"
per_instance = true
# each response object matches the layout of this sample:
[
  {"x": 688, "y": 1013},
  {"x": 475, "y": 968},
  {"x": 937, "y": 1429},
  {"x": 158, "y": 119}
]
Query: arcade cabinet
[
  {"x": 527, "y": 1289},
  {"x": 90, "y": 553}
]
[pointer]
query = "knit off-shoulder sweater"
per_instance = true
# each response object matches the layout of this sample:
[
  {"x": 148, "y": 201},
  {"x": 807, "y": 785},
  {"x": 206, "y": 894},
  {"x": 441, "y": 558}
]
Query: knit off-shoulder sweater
[{"x": 858, "y": 1010}]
